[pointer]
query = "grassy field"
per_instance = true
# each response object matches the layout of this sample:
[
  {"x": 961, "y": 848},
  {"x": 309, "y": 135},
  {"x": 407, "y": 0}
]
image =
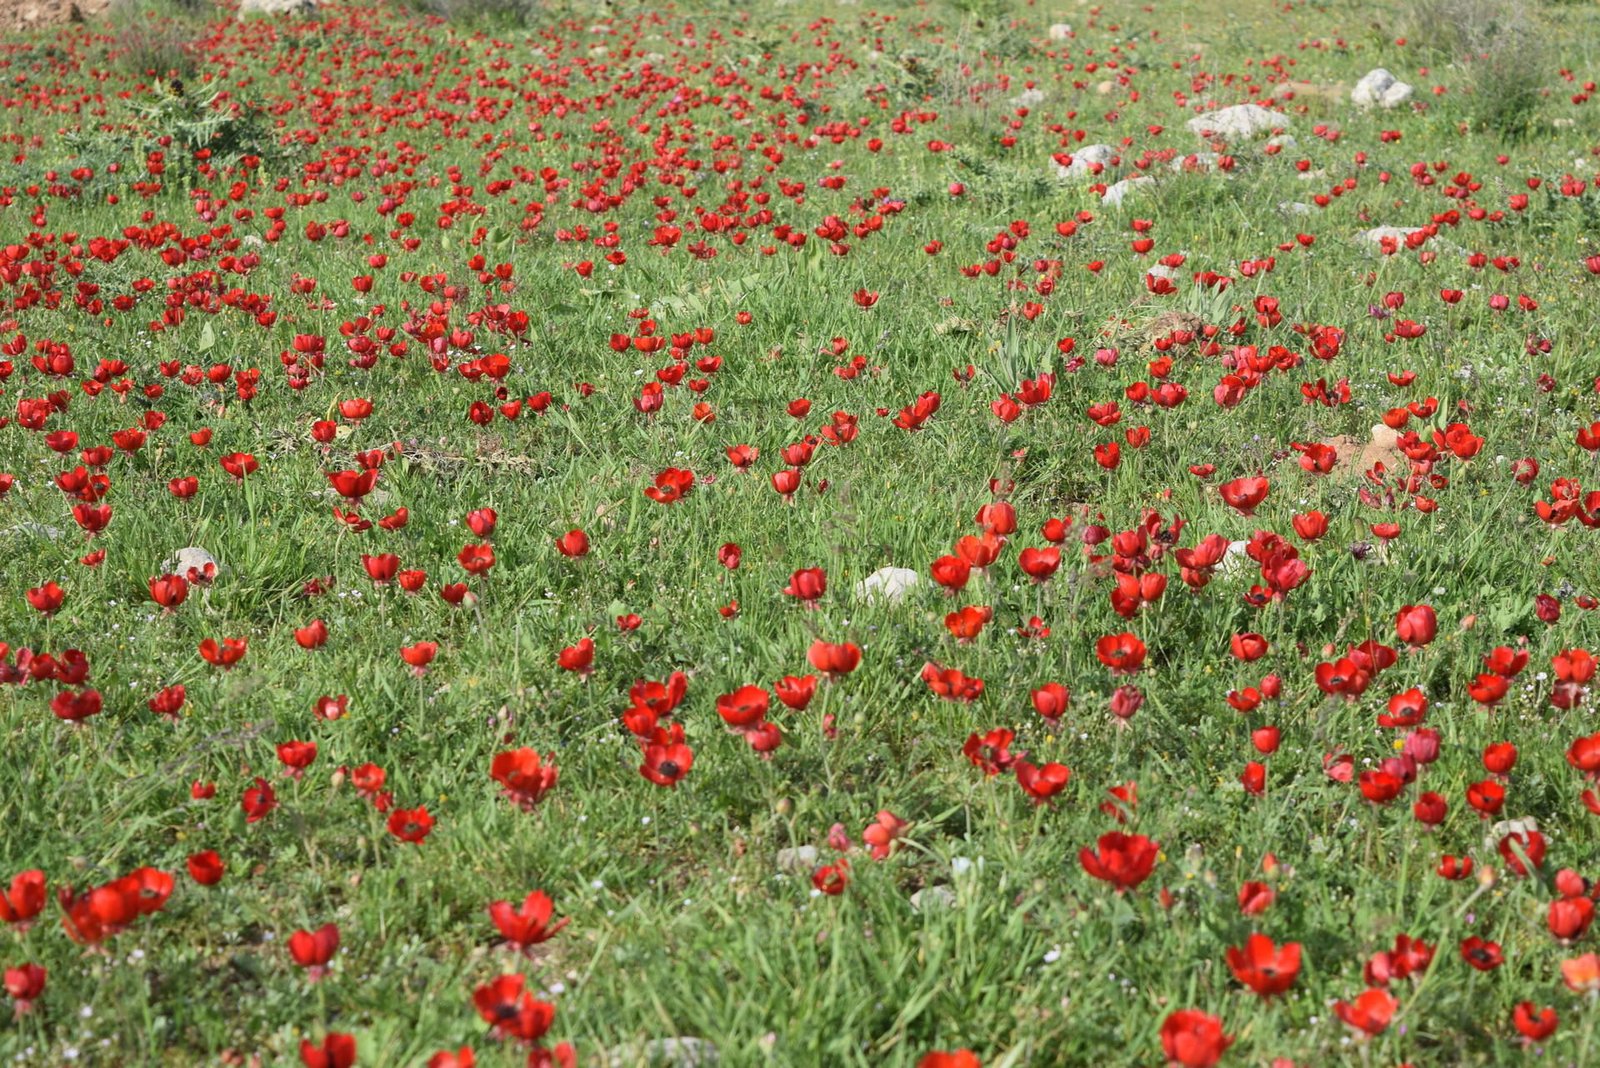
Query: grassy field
[{"x": 544, "y": 385}]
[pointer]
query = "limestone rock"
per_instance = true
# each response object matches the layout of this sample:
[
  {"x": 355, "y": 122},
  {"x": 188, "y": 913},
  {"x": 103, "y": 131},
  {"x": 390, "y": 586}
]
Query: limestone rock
[
  {"x": 887, "y": 584},
  {"x": 277, "y": 8},
  {"x": 1114, "y": 195},
  {"x": 1379, "y": 88},
  {"x": 1086, "y": 161},
  {"x": 1241, "y": 122}
]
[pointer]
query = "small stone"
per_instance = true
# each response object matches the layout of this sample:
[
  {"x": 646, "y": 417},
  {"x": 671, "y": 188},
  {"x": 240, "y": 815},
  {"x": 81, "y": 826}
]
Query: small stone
[
  {"x": 1241, "y": 122},
  {"x": 1114, "y": 195},
  {"x": 1028, "y": 98},
  {"x": 937, "y": 896},
  {"x": 1379, "y": 88},
  {"x": 296, "y": 8},
  {"x": 685, "y": 1052},
  {"x": 1086, "y": 161},
  {"x": 191, "y": 558},
  {"x": 1060, "y": 31},
  {"x": 29, "y": 528},
  {"x": 797, "y": 859},
  {"x": 887, "y": 584}
]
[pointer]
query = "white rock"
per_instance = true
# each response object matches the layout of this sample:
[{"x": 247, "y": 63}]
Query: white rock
[
  {"x": 1235, "y": 558},
  {"x": 685, "y": 1052},
  {"x": 1242, "y": 122},
  {"x": 30, "y": 528},
  {"x": 936, "y": 896},
  {"x": 1379, "y": 88},
  {"x": 1113, "y": 195},
  {"x": 1195, "y": 163},
  {"x": 1088, "y": 160},
  {"x": 797, "y": 859},
  {"x": 1294, "y": 207},
  {"x": 887, "y": 584},
  {"x": 295, "y": 8},
  {"x": 184, "y": 559},
  {"x": 1282, "y": 141},
  {"x": 1373, "y": 238},
  {"x": 1028, "y": 98},
  {"x": 1060, "y": 31}
]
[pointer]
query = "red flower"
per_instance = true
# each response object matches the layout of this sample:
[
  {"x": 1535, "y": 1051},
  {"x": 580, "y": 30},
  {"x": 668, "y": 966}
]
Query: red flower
[
  {"x": 1484, "y": 956},
  {"x": 961, "y": 1058},
  {"x": 991, "y": 752},
  {"x": 1244, "y": 494},
  {"x": 527, "y": 924},
  {"x": 807, "y": 584},
  {"x": 1534, "y": 1025},
  {"x": 1044, "y": 782},
  {"x": 411, "y": 824},
  {"x": 667, "y": 759},
  {"x": 578, "y": 658},
  {"x": 24, "y": 900},
  {"x": 25, "y": 984},
  {"x": 524, "y": 778},
  {"x": 573, "y": 543},
  {"x": 1193, "y": 1039},
  {"x": 419, "y": 656},
  {"x": 258, "y": 800},
  {"x": 511, "y": 1011},
  {"x": 313, "y": 950},
  {"x": 1122, "y": 653},
  {"x": 206, "y": 868},
  {"x": 1051, "y": 701},
  {"x": 834, "y": 660},
  {"x": 831, "y": 879},
  {"x": 1123, "y": 860},
  {"x": 337, "y": 1051},
  {"x": 745, "y": 708},
  {"x": 225, "y": 655},
  {"x": 1416, "y": 625},
  {"x": 670, "y": 486},
  {"x": 1370, "y": 1013}
]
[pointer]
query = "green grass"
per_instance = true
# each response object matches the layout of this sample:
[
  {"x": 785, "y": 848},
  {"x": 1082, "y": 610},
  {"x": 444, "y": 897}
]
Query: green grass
[{"x": 683, "y": 922}]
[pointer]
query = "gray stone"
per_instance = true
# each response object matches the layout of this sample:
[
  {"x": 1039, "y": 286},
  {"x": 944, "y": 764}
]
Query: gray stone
[
  {"x": 1086, "y": 161},
  {"x": 1241, "y": 122},
  {"x": 1114, "y": 194},
  {"x": 887, "y": 584},
  {"x": 933, "y": 896},
  {"x": 184, "y": 559},
  {"x": 275, "y": 8},
  {"x": 797, "y": 859},
  {"x": 31, "y": 529},
  {"x": 685, "y": 1052},
  {"x": 1060, "y": 31},
  {"x": 1379, "y": 88}
]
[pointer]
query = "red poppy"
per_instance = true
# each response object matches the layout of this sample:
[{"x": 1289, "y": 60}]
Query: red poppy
[
  {"x": 25, "y": 985},
  {"x": 523, "y": 777},
  {"x": 831, "y": 879},
  {"x": 1193, "y": 1039},
  {"x": 1122, "y": 653},
  {"x": 1123, "y": 860},
  {"x": 411, "y": 824},
  {"x": 1051, "y": 702},
  {"x": 1044, "y": 782},
  {"x": 667, "y": 758},
  {"x": 527, "y": 924},
  {"x": 1482, "y": 955},
  {"x": 991, "y": 752},
  {"x": 1370, "y": 1013},
  {"x": 834, "y": 660},
  {"x": 1416, "y": 625},
  {"x": 258, "y": 800},
  {"x": 961, "y": 1058},
  {"x": 670, "y": 486},
  {"x": 313, "y": 950},
  {"x": 1534, "y": 1025},
  {"x": 512, "y": 1011},
  {"x": 24, "y": 900}
]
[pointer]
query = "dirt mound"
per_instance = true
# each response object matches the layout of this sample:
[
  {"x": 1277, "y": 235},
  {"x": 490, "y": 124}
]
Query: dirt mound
[{"x": 17, "y": 15}]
